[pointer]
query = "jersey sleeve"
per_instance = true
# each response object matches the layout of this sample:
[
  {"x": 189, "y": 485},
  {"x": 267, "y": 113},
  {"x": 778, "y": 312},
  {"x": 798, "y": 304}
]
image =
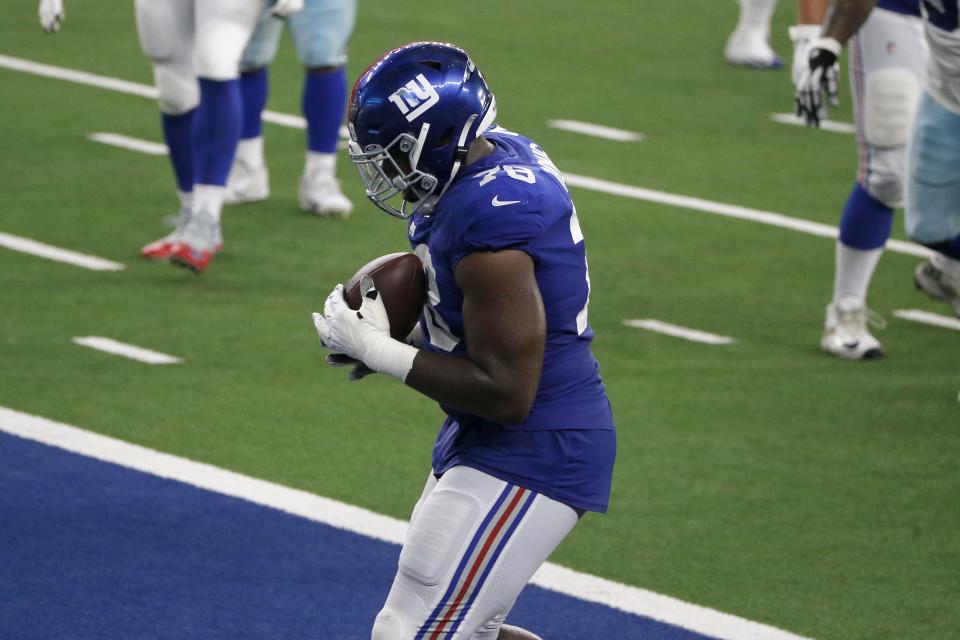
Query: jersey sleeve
[{"x": 492, "y": 227}]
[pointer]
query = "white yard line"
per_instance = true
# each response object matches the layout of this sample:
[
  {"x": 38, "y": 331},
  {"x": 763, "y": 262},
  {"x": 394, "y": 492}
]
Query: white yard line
[
  {"x": 727, "y": 210},
  {"x": 826, "y": 125},
  {"x": 583, "y": 182},
  {"x": 133, "y": 352},
  {"x": 367, "y": 523},
  {"x": 39, "y": 249},
  {"x": 925, "y": 317},
  {"x": 596, "y": 130},
  {"x": 675, "y": 330},
  {"x": 126, "y": 142}
]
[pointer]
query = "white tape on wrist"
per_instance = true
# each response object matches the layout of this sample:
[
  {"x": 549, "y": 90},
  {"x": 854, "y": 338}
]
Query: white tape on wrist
[
  {"x": 830, "y": 44},
  {"x": 386, "y": 355}
]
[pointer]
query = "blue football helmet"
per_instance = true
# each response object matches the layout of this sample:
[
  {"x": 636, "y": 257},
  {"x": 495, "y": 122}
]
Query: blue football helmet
[{"x": 412, "y": 117}]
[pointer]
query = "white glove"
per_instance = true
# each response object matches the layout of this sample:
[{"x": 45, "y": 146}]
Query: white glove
[
  {"x": 363, "y": 335},
  {"x": 822, "y": 74},
  {"x": 284, "y": 8},
  {"x": 803, "y": 36},
  {"x": 51, "y": 15}
]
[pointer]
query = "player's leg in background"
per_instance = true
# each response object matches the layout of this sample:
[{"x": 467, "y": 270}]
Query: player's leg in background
[
  {"x": 222, "y": 30},
  {"x": 321, "y": 32},
  {"x": 249, "y": 179},
  {"x": 473, "y": 544},
  {"x": 887, "y": 58},
  {"x": 165, "y": 29},
  {"x": 749, "y": 44},
  {"x": 932, "y": 213}
]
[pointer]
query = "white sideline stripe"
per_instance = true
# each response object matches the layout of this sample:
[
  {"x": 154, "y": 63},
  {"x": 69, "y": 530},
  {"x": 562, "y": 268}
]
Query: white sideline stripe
[
  {"x": 126, "y": 142},
  {"x": 826, "y": 125},
  {"x": 677, "y": 331},
  {"x": 925, "y": 317},
  {"x": 596, "y": 130},
  {"x": 728, "y": 210},
  {"x": 133, "y": 352},
  {"x": 596, "y": 184},
  {"x": 361, "y": 521},
  {"x": 26, "y": 245}
]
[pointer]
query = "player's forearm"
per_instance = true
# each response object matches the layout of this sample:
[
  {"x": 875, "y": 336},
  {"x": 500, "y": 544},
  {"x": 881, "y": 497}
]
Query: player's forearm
[
  {"x": 459, "y": 382},
  {"x": 811, "y": 11},
  {"x": 845, "y": 17}
]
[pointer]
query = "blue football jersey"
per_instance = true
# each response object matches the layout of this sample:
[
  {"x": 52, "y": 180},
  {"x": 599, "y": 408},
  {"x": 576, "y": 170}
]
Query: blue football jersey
[
  {"x": 515, "y": 198},
  {"x": 906, "y": 7}
]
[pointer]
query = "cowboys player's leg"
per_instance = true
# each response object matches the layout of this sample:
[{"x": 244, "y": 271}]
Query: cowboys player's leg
[
  {"x": 474, "y": 542},
  {"x": 887, "y": 58},
  {"x": 249, "y": 179},
  {"x": 933, "y": 199},
  {"x": 749, "y": 44},
  {"x": 165, "y": 29},
  {"x": 222, "y": 29},
  {"x": 321, "y": 32}
]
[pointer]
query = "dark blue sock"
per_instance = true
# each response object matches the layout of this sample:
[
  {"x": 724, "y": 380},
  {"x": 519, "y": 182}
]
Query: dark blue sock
[
  {"x": 949, "y": 248},
  {"x": 324, "y": 102},
  {"x": 254, "y": 87},
  {"x": 177, "y": 133},
  {"x": 216, "y": 130},
  {"x": 866, "y": 221}
]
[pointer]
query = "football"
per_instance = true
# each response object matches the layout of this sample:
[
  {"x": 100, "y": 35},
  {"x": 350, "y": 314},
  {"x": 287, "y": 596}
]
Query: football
[{"x": 400, "y": 279}]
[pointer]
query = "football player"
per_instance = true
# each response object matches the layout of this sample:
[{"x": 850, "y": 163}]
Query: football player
[
  {"x": 886, "y": 65},
  {"x": 528, "y": 442},
  {"x": 194, "y": 47},
  {"x": 749, "y": 44},
  {"x": 320, "y": 33}
]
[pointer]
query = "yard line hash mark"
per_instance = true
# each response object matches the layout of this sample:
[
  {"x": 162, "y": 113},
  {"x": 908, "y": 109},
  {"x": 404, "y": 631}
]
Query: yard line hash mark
[
  {"x": 583, "y": 182},
  {"x": 709, "y": 622},
  {"x": 126, "y": 142},
  {"x": 925, "y": 317},
  {"x": 826, "y": 125},
  {"x": 50, "y": 252},
  {"x": 727, "y": 210},
  {"x": 117, "y": 348},
  {"x": 677, "y": 331},
  {"x": 596, "y": 130}
]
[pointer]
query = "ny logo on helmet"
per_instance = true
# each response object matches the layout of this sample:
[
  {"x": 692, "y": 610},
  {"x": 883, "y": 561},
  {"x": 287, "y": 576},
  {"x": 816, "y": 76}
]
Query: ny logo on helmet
[{"x": 418, "y": 94}]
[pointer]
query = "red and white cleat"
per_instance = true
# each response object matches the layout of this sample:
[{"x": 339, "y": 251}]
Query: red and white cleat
[{"x": 199, "y": 241}]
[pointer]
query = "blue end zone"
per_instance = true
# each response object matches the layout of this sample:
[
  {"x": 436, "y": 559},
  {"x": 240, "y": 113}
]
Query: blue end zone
[{"x": 91, "y": 550}]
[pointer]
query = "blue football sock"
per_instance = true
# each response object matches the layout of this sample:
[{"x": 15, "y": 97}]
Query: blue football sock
[
  {"x": 216, "y": 130},
  {"x": 254, "y": 88},
  {"x": 177, "y": 133},
  {"x": 949, "y": 248},
  {"x": 324, "y": 102},
  {"x": 866, "y": 222}
]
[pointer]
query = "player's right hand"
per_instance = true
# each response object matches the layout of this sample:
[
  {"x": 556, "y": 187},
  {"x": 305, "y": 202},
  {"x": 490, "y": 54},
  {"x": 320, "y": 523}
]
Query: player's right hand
[
  {"x": 51, "y": 15},
  {"x": 823, "y": 75}
]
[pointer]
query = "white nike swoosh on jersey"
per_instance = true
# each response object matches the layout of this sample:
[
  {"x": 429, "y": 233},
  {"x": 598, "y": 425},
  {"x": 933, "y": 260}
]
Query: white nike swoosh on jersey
[{"x": 499, "y": 203}]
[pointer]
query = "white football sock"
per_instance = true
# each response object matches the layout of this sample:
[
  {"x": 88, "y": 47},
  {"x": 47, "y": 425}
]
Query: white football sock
[
  {"x": 322, "y": 163},
  {"x": 755, "y": 15},
  {"x": 854, "y": 270},
  {"x": 208, "y": 198},
  {"x": 186, "y": 199},
  {"x": 250, "y": 152}
]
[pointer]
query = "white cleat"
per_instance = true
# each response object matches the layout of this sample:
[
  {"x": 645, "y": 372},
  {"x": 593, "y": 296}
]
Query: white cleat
[
  {"x": 320, "y": 194},
  {"x": 938, "y": 283},
  {"x": 845, "y": 333},
  {"x": 246, "y": 183},
  {"x": 749, "y": 48}
]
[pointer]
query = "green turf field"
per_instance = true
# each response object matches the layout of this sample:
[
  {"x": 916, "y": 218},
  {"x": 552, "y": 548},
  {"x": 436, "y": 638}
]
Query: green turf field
[{"x": 763, "y": 478}]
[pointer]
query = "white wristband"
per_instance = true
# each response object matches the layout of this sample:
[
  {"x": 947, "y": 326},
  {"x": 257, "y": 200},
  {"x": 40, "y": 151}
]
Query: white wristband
[
  {"x": 386, "y": 355},
  {"x": 830, "y": 44}
]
